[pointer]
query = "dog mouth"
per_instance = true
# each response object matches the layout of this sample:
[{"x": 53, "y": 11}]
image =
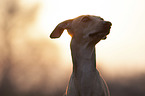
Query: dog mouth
[{"x": 102, "y": 34}]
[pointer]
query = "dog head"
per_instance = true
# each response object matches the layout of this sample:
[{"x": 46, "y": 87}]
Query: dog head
[{"x": 85, "y": 28}]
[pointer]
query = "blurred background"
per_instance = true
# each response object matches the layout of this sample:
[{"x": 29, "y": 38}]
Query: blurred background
[{"x": 32, "y": 64}]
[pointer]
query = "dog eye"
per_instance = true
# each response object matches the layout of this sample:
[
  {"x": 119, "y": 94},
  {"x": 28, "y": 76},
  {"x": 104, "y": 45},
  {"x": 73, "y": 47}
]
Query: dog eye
[{"x": 85, "y": 19}]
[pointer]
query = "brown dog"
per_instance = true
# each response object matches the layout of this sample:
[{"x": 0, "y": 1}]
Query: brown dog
[{"x": 86, "y": 32}]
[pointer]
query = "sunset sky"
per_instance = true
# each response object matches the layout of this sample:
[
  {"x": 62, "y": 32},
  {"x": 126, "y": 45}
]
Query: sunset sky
[{"x": 31, "y": 63}]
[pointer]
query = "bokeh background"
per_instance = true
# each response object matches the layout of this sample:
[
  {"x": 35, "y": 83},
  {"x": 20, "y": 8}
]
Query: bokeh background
[{"x": 32, "y": 64}]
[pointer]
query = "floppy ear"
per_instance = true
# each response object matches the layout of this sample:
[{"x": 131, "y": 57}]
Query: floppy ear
[{"x": 60, "y": 28}]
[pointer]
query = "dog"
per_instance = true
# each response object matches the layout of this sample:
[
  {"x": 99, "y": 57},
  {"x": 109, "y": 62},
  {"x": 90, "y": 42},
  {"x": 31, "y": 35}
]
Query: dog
[{"x": 86, "y": 31}]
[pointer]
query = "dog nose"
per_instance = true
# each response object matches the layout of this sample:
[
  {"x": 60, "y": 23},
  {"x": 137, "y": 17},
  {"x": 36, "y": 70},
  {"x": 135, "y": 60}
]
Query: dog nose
[{"x": 108, "y": 23}]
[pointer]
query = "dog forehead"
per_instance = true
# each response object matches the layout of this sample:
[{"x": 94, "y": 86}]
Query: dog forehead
[
  {"x": 78, "y": 20},
  {"x": 89, "y": 16}
]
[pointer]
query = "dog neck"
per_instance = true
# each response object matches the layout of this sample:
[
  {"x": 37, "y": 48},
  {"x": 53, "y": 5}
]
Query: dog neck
[{"x": 83, "y": 57}]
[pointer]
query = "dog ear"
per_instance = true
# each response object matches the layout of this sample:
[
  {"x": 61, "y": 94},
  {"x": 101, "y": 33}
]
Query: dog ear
[{"x": 60, "y": 28}]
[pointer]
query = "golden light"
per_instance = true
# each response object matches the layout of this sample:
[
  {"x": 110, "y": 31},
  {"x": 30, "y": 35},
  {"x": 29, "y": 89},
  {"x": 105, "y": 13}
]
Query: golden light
[{"x": 37, "y": 63}]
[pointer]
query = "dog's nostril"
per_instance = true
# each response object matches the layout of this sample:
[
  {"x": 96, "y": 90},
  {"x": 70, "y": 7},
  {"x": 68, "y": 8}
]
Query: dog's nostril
[{"x": 107, "y": 23}]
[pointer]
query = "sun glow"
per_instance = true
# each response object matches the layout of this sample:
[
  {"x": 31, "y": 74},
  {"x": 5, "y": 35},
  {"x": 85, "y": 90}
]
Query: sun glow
[{"x": 33, "y": 63}]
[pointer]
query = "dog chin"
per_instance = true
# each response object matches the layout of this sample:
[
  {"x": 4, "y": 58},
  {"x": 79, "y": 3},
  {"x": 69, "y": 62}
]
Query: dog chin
[{"x": 104, "y": 37}]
